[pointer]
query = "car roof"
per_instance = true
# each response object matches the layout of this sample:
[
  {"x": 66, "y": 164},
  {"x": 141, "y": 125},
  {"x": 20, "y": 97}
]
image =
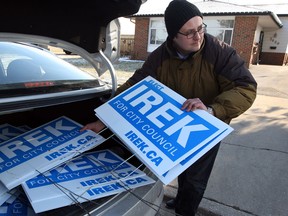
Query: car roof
[{"x": 82, "y": 23}]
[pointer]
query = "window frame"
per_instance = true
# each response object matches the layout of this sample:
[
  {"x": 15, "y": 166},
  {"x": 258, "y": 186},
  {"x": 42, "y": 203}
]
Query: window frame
[
  {"x": 208, "y": 20},
  {"x": 151, "y": 47}
]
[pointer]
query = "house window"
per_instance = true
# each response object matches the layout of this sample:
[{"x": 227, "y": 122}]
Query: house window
[
  {"x": 157, "y": 33},
  {"x": 220, "y": 28}
]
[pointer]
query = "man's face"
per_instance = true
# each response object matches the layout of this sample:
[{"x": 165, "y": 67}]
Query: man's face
[{"x": 190, "y": 37}]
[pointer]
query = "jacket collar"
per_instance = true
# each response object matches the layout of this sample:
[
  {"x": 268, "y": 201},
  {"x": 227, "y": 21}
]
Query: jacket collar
[{"x": 173, "y": 52}]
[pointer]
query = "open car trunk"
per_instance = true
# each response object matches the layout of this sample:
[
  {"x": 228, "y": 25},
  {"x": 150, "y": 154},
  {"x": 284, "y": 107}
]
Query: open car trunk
[
  {"x": 88, "y": 29},
  {"x": 83, "y": 112}
]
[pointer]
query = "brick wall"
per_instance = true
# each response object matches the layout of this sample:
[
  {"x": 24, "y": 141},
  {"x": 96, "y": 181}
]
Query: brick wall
[
  {"x": 141, "y": 39},
  {"x": 243, "y": 36},
  {"x": 274, "y": 58}
]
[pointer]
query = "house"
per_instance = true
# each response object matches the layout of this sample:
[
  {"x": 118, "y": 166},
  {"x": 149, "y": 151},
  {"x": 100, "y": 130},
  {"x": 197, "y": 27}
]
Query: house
[{"x": 259, "y": 33}]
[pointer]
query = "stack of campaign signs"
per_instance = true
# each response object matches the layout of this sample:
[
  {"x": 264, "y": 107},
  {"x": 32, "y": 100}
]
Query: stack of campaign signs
[
  {"x": 88, "y": 177},
  {"x": 8, "y": 131},
  {"x": 148, "y": 119},
  {"x": 42, "y": 148},
  {"x": 16, "y": 205},
  {"x": 48, "y": 162}
]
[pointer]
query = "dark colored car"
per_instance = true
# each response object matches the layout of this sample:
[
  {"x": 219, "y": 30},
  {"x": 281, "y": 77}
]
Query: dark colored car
[{"x": 38, "y": 85}]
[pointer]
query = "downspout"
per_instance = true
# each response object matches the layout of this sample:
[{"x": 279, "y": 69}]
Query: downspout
[{"x": 276, "y": 19}]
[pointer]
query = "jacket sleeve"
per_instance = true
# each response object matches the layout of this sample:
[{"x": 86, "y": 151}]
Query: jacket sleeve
[{"x": 237, "y": 86}]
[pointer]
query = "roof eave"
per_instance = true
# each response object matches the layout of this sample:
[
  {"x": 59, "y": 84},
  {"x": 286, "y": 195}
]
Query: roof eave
[{"x": 273, "y": 16}]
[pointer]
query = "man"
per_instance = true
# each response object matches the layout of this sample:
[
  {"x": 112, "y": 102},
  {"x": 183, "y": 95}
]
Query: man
[{"x": 207, "y": 72}]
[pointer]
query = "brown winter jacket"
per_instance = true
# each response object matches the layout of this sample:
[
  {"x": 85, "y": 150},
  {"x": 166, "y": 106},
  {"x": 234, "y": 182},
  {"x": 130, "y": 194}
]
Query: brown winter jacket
[{"x": 215, "y": 74}]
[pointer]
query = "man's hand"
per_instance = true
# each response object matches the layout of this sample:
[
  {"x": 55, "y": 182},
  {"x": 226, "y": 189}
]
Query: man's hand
[
  {"x": 96, "y": 126},
  {"x": 193, "y": 104}
]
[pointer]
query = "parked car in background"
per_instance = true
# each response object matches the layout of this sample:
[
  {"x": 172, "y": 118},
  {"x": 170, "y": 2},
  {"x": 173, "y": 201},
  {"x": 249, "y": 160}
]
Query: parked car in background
[{"x": 37, "y": 86}]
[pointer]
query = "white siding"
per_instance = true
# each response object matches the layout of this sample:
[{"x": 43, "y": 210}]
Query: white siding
[
  {"x": 257, "y": 34},
  {"x": 276, "y": 38}
]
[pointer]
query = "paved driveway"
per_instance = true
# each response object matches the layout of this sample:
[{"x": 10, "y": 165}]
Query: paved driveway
[{"x": 272, "y": 80}]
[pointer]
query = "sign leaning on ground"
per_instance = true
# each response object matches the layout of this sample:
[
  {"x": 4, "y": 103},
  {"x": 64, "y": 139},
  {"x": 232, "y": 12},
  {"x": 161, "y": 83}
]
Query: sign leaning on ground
[{"x": 148, "y": 119}]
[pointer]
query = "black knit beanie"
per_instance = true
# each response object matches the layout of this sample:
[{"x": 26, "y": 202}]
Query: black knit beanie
[{"x": 177, "y": 14}]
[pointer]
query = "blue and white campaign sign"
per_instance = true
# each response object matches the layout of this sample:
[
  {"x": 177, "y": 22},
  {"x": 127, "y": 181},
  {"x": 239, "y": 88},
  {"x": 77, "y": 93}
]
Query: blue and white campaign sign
[
  {"x": 8, "y": 131},
  {"x": 5, "y": 196},
  {"x": 17, "y": 205},
  {"x": 24, "y": 128},
  {"x": 88, "y": 177},
  {"x": 43, "y": 148},
  {"x": 4, "y": 192},
  {"x": 148, "y": 119},
  {"x": 183, "y": 165}
]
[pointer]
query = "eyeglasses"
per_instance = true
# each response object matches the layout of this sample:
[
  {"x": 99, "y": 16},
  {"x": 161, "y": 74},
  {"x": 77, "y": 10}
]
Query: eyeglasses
[{"x": 192, "y": 33}]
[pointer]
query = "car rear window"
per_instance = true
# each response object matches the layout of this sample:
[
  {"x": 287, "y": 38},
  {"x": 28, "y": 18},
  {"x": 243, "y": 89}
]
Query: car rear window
[{"x": 26, "y": 69}]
